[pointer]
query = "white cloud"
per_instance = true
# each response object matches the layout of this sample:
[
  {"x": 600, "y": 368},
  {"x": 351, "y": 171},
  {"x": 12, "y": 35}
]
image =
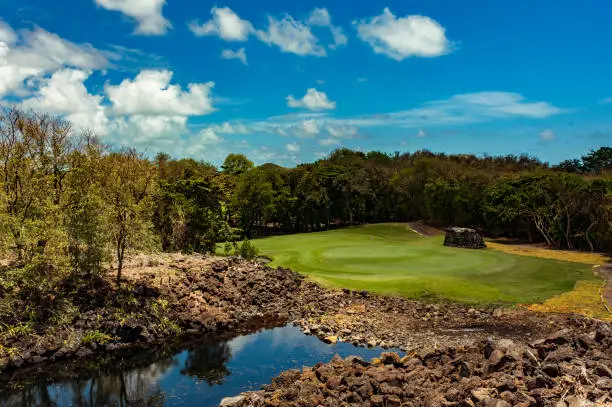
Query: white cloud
[
  {"x": 422, "y": 133},
  {"x": 150, "y": 93},
  {"x": 306, "y": 128},
  {"x": 7, "y": 34},
  {"x": 38, "y": 53},
  {"x": 229, "y": 128},
  {"x": 329, "y": 141},
  {"x": 362, "y": 80},
  {"x": 225, "y": 24},
  {"x": 65, "y": 94},
  {"x": 606, "y": 101},
  {"x": 293, "y": 147},
  {"x": 342, "y": 131},
  {"x": 162, "y": 132},
  {"x": 208, "y": 136},
  {"x": 320, "y": 17},
  {"x": 320, "y": 81},
  {"x": 288, "y": 34},
  {"x": 459, "y": 109},
  {"x": 548, "y": 135},
  {"x": 399, "y": 38},
  {"x": 239, "y": 55},
  {"x": 291, "y": 36},
  {"x": 148, "y": 14},
  {"x": 313, "y": 100}
]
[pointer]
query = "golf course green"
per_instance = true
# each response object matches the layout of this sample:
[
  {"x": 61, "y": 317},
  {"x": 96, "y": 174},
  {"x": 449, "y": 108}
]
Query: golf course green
[{"x": 392, "y": 259}]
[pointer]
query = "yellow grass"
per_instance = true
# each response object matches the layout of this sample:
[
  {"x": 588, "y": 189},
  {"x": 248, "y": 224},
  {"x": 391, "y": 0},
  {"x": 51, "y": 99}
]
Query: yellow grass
[
  {"x": 566, "y": 255},
  {"x": 583, "y": 300}
]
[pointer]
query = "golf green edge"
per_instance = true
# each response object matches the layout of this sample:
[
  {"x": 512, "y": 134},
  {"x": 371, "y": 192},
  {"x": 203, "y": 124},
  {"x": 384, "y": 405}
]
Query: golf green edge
[{"x": 391, "y": 259}]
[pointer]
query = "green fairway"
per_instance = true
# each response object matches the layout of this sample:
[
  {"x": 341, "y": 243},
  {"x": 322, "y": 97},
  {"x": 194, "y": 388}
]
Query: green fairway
[{"x": 391, "y": 259}]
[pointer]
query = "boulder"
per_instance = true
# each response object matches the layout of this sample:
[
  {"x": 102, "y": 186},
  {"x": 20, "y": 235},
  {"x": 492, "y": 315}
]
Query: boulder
[
  {"x": 464, "y": 238},
  {"x": 237, "y": 401}
]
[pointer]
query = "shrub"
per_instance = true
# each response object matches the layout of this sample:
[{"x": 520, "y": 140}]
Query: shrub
[
  {"x": 247, "y": 250},
  {"x": 96, "y": 337}
]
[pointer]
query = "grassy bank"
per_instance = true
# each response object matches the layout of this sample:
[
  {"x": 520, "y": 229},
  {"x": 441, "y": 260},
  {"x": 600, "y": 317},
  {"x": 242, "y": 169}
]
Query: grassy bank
[{"x": 391, "y": 259}]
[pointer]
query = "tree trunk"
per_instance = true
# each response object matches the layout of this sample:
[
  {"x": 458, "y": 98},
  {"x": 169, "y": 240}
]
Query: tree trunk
[
  {"x": 568, "y": 230},
  {"x": 587, "y": 237},
  {"x": 120, "y": 254}
]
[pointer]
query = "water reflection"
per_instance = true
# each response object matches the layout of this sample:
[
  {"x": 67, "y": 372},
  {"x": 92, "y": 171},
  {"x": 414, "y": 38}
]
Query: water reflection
[
  {"x": 208, "y": 363},
  {"x": 200, "y": 375}
]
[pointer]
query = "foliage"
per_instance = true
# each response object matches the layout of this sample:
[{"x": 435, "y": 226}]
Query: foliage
[
  {"x": 97, "y": 337},
  {"x": 127, "y": 186},
  {"x": 236, "y": 164},
  {"x": 248, "y": 250},
  {"x": 71, "y": 206}
]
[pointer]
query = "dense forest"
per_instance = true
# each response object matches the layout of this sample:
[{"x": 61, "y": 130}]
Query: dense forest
[{"x": 69, "y": 204}]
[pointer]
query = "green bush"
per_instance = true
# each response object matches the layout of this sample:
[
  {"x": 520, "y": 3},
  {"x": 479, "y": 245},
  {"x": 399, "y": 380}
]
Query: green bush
[
  {"x": 247, "y": 250},
  {"x": 97, "y": 337}
]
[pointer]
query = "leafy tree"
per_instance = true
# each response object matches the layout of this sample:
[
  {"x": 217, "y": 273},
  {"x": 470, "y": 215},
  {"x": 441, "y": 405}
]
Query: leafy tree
[
  {"x": 598, "y": 161},
  {"x": 253, "y": 200},
  {"x": 236, "y": 164},
  {"x": 127, "y": 192}
]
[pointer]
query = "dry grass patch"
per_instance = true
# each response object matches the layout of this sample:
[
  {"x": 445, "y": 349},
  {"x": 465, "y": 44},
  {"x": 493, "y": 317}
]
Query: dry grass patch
[
  {"x": 585, "y": 299},
  {"x": 565, "y": 255}
]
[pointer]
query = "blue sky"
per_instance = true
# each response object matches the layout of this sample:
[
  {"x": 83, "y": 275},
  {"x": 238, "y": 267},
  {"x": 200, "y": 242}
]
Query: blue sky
[{"x": 288, "y": 82}]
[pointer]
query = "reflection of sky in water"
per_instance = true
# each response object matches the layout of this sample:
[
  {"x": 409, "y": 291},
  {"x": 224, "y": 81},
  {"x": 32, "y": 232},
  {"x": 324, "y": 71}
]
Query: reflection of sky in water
[{"x": 202, "y": 376}]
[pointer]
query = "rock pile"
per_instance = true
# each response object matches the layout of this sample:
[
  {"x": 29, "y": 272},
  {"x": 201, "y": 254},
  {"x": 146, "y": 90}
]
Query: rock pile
[
  {"x": 464, "y": 238},
  {"x": 569, "y": 368}
]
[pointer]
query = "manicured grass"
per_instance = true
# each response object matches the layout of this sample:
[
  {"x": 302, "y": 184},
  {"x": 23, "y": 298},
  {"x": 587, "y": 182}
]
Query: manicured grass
[{"x": 391, "y": 259}]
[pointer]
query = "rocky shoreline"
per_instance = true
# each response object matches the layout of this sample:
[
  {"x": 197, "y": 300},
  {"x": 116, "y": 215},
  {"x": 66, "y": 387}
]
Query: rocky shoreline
[
  {"x": 176, "y": 296},
  {"x": 567, "y": 368}
]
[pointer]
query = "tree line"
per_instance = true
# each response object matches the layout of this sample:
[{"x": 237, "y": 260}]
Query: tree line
[{"x": 69, "y": 204}]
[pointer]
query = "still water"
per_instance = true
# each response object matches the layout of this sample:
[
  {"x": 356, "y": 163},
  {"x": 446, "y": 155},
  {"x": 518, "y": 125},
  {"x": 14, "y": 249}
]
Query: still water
[{"x": 200, "y": 375}]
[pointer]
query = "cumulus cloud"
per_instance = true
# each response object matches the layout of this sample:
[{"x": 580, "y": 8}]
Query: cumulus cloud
[
  {"x": 144, "y": 131},
  {"x": 147, "y": 13},
  {"x": 313, "y": 100},
  {"x": 291, "y": 36},
  {"x": 208, "y": 136},
  {"x": 65, "y": 94},
  {"x": 225, "y": 24},
  {"x": 404, "y": 37},
  {"x": 548, "y": 135},
  {"x": 7, "y": 34},
  {"x": 239, "y": 55},
  {"x": 306, "y": 128},
  {"x": 151, "y": 93},
  {"x": 422, "y": 133},
  {"x": 320, "y": 17},
  {"x": 37, "y": 53},
  {"x": 293, "y": 147},
  {"x": 287, "y": 33}
]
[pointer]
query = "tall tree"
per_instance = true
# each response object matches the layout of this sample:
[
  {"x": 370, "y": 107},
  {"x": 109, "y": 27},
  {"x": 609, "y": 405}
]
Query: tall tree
[{"x": 128, "y": 190}]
